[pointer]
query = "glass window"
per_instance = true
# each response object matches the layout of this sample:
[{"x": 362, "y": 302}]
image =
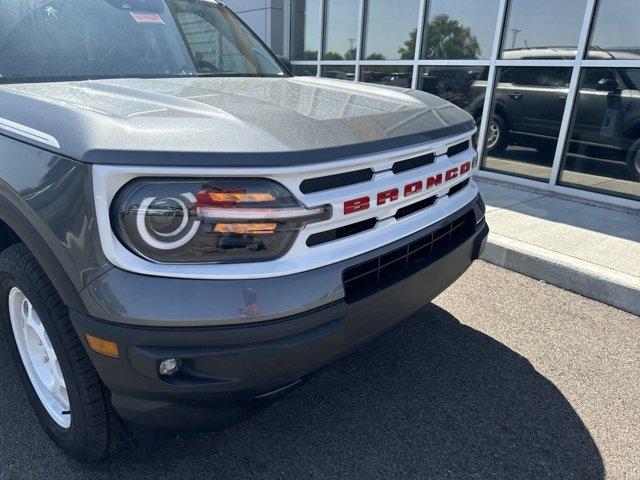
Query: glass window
[
  {"x": 305, "y": 70},
  {"x": 397, "y": 76},
  {"x": 305, "y": 29},
  {"x": 604, "y": 140},
  {"x": 543, "y": 29},
  {"x": 463, "y": 29},
  {"x": 391, "y": 29},
  {"x": 462, "y": 86},
  {"x": 527, "y": 111},
  {"x": 340, "y": 72},
  {"x": 341, "y": 30},
  {"x": 615, "y": 30},
  {"x": 207, "y": 47}
]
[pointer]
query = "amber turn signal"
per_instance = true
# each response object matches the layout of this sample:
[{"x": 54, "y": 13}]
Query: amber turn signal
[{"x": 103, "y": 347}]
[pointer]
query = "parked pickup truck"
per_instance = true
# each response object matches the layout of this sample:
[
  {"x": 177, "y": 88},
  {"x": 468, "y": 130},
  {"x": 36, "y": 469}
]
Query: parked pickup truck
[{"x": 188, "y": 232}]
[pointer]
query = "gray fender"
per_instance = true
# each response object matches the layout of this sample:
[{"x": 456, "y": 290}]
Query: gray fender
[{"x": 11, "y": 215}]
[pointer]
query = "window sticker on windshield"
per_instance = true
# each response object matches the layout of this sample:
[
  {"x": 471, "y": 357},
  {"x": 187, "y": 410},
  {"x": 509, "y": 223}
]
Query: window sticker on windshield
[{"x": 147, "y": 18}]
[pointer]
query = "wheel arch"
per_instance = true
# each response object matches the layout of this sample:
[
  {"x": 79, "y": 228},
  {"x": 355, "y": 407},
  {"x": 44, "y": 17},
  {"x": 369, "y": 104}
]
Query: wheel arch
[
  {"x": 15, "y": 228},
  {"x": 502, "y": 110},
  {"x": 632, "y": 131},
  {"x": 499, "y": 108}
]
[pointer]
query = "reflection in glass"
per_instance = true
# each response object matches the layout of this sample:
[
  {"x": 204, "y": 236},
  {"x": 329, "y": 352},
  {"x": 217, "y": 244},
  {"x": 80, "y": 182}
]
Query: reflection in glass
[
  {"x": 305, "y": 70},
  {"x": 339, "y": 72},
  {"x": 462, "y": 86},
  {"x": 341, "y": 30},
  {"x": 543, "y": 29},
  {"x": 527, "y": 111},
  {"x": 615, "y": 31},
  {"x": 391, "y": 29},
  {"x": 604, "y": 140},
  {"x": 463, "y": 29},
  {"x": 305, "y": 29},
  {"x": 397, "y": 76}
]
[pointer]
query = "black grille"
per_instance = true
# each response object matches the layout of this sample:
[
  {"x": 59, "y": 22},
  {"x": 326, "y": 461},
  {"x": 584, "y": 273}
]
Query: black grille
[
  {"x": 459, "y": 148},
  {"x": 406, "y": 165},
  {"x": 369, "y": 277},
  {"x": 320, "y": 184},
  {"x": 342, "y": 232},
  {"x": 415, "y": 207},
  {"x": 456, "y": 188}
]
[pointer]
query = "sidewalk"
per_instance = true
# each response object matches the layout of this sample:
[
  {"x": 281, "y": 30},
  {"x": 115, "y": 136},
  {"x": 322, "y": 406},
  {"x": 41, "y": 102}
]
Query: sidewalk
[{"x": 588, "y": 249}]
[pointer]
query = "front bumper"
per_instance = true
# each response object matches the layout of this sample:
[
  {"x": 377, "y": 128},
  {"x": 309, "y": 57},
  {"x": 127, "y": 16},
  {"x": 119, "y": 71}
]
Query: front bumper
[{"x": 230, "y": 371}]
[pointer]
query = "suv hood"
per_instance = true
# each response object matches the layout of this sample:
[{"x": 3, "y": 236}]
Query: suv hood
[{"x": 223, "y": 121}]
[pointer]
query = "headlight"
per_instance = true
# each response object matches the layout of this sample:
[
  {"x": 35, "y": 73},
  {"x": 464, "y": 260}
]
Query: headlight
[{"x": 209, "y": 220}]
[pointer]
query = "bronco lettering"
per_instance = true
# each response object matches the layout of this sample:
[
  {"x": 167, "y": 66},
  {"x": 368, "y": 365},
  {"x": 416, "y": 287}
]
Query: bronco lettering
[{"x": 359, "y": 204}]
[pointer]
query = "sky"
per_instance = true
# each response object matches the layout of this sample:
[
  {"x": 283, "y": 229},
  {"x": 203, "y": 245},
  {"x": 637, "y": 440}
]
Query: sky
[
  {"x": 389, "y": 24},
  {"x": 617, "y": 24},
  {"x": 342, "y": 25},
  {"x": 545, "y": 23}
]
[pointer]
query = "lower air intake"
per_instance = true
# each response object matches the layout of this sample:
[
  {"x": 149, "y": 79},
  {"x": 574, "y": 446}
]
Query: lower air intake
[{"x": 374, "y": 275}]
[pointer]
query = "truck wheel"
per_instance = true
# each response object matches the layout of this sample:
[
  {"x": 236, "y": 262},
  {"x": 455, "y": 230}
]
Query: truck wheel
[
  {"x": 497, "y": 135},
  {"x": 57, "y": 375},
  {"x": 633, "y": 161}
]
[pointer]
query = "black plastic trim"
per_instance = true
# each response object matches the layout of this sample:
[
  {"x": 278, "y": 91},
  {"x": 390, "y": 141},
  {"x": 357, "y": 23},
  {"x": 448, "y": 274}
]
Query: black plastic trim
[
  {"x": 415, "y": 207},
  {"x": 458, "y": 188},
  {"x": 342, "y": 232},
  {"x": 271, "y": 159},
  {"x": 331, "y": 182},
  {"x": 458, "y": 149},
  {"x": 413, "y": 163}
]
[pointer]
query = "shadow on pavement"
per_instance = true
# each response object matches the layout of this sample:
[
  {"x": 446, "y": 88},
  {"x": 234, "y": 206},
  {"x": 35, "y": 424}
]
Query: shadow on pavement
[{"x": 432, "y": 399}]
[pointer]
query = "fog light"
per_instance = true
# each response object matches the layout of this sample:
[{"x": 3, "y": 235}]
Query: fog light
[{"x": 170, "y": 367}]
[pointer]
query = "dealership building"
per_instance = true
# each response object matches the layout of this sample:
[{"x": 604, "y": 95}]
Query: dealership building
[{"x": 554, "y": 85}]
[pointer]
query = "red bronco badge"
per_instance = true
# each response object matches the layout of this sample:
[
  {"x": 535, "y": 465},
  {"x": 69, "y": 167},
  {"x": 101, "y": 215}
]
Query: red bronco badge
[{"x": 363, "y": 203}]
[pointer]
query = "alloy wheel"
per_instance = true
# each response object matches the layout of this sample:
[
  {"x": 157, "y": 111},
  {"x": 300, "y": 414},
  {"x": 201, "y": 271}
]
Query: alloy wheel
[
  {"x": 39, "y": 358},
  {"x": 493, "y": 134}
]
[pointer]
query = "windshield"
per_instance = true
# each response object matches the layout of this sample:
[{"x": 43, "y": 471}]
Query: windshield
[{"x": 59, "y": 40}]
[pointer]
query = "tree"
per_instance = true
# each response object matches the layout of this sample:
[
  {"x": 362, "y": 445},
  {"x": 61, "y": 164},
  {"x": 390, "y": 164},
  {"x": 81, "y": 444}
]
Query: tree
[
  {"x": 376, "y": 56},
  {"x": 332, "y": 56},
  {"x": 447, "y": 39},
  {"x": 350, "y": 54},
  {"x": 409, "y": 50},
  {"x": 310, "y": 55}
]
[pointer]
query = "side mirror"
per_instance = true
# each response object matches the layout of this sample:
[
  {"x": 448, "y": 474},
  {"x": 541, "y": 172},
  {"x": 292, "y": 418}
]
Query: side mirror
[
  {"x": 607, "y": 85},
  {"x": 287, "y": 63}
]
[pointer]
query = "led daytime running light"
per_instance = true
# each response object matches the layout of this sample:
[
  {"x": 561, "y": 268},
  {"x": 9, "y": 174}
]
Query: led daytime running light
[{"x": 214, "y": 214}]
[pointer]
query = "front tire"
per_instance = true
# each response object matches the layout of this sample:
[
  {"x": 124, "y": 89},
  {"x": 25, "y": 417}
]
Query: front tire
[{"x": 51, "y": 362}]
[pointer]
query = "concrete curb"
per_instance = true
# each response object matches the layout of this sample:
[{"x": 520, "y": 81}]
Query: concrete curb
[{"x": 592, "y": 281}]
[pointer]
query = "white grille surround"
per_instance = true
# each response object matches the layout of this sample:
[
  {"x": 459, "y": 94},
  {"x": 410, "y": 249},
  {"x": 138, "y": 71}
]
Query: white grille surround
[{"x": 109, "y": 179}]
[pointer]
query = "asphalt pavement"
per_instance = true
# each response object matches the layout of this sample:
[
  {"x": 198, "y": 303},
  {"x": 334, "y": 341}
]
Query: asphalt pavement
[{"x": 502, "y": 377}]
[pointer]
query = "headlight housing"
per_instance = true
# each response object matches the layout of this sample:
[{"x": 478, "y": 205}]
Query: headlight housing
[{"x": 209, "y": 220}]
